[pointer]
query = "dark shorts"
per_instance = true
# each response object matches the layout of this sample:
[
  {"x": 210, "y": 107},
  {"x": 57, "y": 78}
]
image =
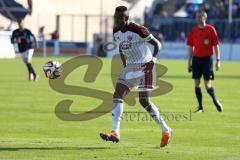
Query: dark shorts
[{"x": 202, "y": 66}]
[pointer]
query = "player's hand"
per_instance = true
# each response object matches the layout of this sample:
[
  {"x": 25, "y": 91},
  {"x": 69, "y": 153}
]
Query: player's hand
[
  {"x": 189, "y": 68},
  {"x": 148, "y": 66},
  {"x": 218, "y": 65}
]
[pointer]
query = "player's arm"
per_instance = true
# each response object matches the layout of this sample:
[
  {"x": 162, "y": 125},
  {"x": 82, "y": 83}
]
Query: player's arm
[
  {"x": 13, "y": 38},
  {"x": 190, "y": 53},
  {"x": 215, "y": 42},
  {"x": 123, "y": 58},
  {"x": 157, "y": 45},
  {"x": 217, "y": 52},
  {"x": 34, "y": 39},
  {"x": 149, "y": 38}
]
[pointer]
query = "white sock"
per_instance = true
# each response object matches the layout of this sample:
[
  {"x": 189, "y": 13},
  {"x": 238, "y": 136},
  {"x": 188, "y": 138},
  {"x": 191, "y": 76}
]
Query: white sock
[
  {"x": 116, "y": 116},
  {"x": 158, "y": 118}
]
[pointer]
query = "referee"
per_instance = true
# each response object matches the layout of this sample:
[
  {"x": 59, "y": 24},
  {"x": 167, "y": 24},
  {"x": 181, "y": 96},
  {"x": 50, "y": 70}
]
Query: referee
[
  {"x": 26, "y": 42},
  {"x": 201, "y": 41}
]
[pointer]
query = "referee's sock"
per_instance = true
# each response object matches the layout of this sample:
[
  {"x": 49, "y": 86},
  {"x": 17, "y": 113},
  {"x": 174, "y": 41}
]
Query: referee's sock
[
  {"x": 30, "y": 69},
  {"x": 198, "y": 93},
  {"x": 215, "y": 101},
  {"x": 212, "y": 93},
  {"x": 117, "y": 112}
]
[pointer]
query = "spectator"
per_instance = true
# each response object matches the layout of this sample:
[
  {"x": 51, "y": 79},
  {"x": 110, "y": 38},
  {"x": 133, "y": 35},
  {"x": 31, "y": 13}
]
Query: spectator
[
  {"x": 55, "y": 35},
  {"x": 222, "y": 10},
  {"x": 181, "y": 37},
  {"x": 100, "y": 48},
  {"x": 41, "y": 33}
]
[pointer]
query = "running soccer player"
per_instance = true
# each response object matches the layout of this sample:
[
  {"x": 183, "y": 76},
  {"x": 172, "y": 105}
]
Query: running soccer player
[
  {"x": 138, "y": 62},
  {"x": 26, "y": 42},
  {"x": 201, "y": 41}
]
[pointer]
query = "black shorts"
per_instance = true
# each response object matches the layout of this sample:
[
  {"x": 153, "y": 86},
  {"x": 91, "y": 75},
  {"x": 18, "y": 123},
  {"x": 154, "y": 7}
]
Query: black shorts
[{"x": 202, "y": 66}]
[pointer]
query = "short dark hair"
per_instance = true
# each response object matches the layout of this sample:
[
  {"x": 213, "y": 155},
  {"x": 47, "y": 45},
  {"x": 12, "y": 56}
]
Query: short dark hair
[
  {"x": 19, "y": 20},
  {"x": 121, "y": 9}
]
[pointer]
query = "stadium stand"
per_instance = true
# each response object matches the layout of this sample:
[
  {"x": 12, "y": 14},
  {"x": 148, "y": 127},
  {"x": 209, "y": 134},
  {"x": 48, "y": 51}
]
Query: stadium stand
[{"x": 176, "y": 17}]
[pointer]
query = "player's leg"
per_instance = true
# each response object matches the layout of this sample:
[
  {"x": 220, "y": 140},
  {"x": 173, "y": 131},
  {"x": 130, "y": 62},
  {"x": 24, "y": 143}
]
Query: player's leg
[
  {"x": 120, "y": 92},
  {"x": 30, "y": 75},
  {"x": 28, "y": 65},
  {"x": 30, "y": 54},
  {"x": 211, "y": 92},
  {"x": 196, "y": 75},
  {"x": 144, "y": 100},
  {"x": 198, "y": 94},
  {"x": 27, "y": 56},
  {"x": 208, "y": 77}
]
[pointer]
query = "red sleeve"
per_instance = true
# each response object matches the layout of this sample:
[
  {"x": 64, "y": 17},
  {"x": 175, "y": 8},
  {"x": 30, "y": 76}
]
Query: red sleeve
[
  {"x": 140, "y": 30},
  {"x": 215, "y": 40},
  {"x": 143, "y": 32},
  {"x": 190, "y": 39}
]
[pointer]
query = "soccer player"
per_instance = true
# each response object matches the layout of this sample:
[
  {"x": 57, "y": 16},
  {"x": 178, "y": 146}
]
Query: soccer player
[
  {"x": 201, "y": 41},
  {"x": 137, "y": 60},
  {"x": 26, "y": 42}
]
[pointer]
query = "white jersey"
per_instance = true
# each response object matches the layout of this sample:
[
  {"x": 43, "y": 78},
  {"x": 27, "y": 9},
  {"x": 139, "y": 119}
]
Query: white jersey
[{"x": 133, "y": 43}]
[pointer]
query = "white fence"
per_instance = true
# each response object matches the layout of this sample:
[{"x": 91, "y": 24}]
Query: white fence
[
  {"x": 169, "y": 50},
  {"x": 6, "y": 48}
]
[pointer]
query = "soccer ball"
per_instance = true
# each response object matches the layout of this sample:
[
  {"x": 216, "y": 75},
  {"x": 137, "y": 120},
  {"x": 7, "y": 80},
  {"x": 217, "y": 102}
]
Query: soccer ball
[{"x": 52, "y": 69}]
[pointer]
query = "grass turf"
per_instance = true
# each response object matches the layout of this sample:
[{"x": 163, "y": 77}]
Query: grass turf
[{"x": 31, "y": 130}]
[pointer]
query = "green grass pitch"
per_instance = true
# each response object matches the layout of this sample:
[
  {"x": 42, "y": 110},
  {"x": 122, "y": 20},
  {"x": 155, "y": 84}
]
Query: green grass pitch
[{"x": 30, "y": 130}]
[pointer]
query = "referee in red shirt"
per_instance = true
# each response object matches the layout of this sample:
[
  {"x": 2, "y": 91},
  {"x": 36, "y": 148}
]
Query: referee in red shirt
[{"x": 201, "y": 41}]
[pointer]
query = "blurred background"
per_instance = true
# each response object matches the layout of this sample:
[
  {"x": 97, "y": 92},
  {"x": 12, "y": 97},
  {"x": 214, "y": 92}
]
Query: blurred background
[{"x": 80, "y": 27}]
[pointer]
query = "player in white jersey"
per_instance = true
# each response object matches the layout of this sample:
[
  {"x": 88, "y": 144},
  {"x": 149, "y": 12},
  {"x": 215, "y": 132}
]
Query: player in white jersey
[{"x": 138, "y": 62}]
